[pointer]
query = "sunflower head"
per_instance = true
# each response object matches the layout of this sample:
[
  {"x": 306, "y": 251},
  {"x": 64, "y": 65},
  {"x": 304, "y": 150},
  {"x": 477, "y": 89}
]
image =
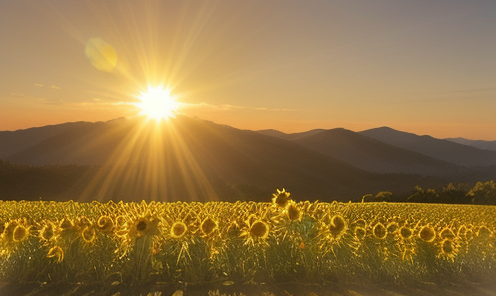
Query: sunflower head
[
  {"x": 448, "y": 249},
  {"x": 281, "y": 198},
  {"x": 105, "y": 223},
  {"x": 461, "y": 231},
  {"x": 338, "y": 226},
  {"x": 360, "y": 233},
  {"x": 406, "y": 232},
  {"x": 447, "y": 246},
  {"x": 20, "y": 233},
  {"x": 392, "y": 227},
  {"x": 447, "y": 233},
  {"x": 144, "y": 226},
  {"x": 293, "y": 213},
  {"x": 120, "y": 222},
  {"x": 380, "y": 231},
  {"x": 46, "y": 233},
  {"x": 259, "y": 229},
  {"x": 178, "y": 229},
  {"x": 427, "y": 234},
  {"x": 66, "y": 224},
  {"x": 360, "y": 223},
  {"x": 89, "y": 235},
  {"x": 483, "y": 232},
  {"x": 208, "y": 226},
  {"x": 83, "y": 222},
  {"x": 8, "y": 233}
]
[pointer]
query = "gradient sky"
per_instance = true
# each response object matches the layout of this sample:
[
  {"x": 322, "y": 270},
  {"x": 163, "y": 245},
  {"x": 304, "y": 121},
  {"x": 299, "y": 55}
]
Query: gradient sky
[{"x": 427, "y": 67}]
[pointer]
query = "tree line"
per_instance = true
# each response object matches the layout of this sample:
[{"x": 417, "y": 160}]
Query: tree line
[{"x": 482, "y": 193}]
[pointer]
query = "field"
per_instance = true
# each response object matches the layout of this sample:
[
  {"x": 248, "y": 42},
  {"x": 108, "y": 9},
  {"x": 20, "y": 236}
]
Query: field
[{"x": 222, "y": 243}]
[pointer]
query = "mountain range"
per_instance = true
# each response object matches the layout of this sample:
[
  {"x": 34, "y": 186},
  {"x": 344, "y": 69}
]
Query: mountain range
[
  {"x": 193, "y": 159},
  {"x": 480, "y": 144}
]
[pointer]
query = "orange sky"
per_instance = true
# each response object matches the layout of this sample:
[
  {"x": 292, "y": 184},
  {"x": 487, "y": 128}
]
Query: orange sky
[{"x": 421, "y": 66}]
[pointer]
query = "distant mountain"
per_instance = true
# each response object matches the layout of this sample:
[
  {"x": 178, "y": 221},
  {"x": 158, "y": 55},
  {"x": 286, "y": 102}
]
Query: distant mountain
[
  {"x": 441, "y": 149},
  {"x": 192, "y": 159},
  {"x": 14, "y": 141},
  {"x": 372, "y": 155},
  {"x": 479, "y": 144},
  {"x": 199, "y": 160},
  {"x": 294, "y": 136}
]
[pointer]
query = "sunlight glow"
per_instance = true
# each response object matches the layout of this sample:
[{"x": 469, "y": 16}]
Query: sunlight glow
[{"x": 157, "y": 103}]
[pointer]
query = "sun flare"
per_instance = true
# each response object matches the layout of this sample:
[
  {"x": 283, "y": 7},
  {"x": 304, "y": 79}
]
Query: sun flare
[{"x": 157, "y": 103}]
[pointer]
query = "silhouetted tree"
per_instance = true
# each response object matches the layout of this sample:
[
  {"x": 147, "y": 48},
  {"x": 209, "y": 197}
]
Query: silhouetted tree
[
  {"x": 483, "y": 193},
  {"x": 383, "y": 196},
  {"x": 424, "y": 196},
  {"x": 455, "y": 194}
]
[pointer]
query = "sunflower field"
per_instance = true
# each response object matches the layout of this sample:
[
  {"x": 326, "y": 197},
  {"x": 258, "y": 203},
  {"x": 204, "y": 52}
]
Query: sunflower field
[{"x": 219, "y": 242}]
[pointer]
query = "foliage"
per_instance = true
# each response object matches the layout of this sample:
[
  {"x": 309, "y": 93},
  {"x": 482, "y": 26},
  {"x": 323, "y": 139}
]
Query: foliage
[
  {"x": 482, "y": 193},
  {"x": 280, "y": 241}
]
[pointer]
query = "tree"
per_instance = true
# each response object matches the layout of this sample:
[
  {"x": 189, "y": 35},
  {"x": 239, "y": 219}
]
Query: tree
[
  {"x": 483, "y": 193},
  {"x": 455, "y": 194},
  {"x": 424, "y": 196},
  {"x": 383, "y": 196}
]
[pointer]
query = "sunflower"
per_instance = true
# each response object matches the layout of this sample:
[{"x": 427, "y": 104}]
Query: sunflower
[
  {"x": 20, "y": 233},
  {"x": 293, "y": 213},
  {"x": 338, "y": 226},
  {"x": 89, "y": 235},
  {"x": 47, "y": 232},
  {"x": 83, "y": 222},
  {"x": 259, "y": 229},
  {"x": 144, "y": 226},
  {"x": 392, "y": 228},
  {"x": 178, "y": 229},
  {"x": 105, "y": 223},
  {"x": 380, "y": 231},
  {"x": 66, "y": 224},
  {"x": 281, "y": 198},
  {"x": 447, "y": 233},
  {"x": 359, "y": 233},
  {"x": 208, "y": 226},
  {"x": 56, "y": 251},
  {"x": 405, "y": 232},
  {"x": 427, "y": 234},
  {"x": 9, "y": 230},
  {"x": 448, "y": 249}
]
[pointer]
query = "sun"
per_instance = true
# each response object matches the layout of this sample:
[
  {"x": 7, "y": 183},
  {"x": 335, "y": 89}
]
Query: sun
[{"x": 157, "y": 103}]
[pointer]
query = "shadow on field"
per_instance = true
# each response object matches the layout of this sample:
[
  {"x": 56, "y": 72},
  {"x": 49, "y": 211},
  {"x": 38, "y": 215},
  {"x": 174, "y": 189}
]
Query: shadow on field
[{"x": 288, "y": 289}]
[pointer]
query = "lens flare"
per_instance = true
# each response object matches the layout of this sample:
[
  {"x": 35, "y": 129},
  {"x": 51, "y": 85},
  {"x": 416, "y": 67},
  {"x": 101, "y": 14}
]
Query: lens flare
[{"x": 101, "y": 54}]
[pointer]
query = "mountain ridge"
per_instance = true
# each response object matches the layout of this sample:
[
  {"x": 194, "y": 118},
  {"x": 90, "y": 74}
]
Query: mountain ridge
[
  {"x": 437, "y": 148},
  {"x": 479, "y": 144},
  {"x": 194, "y": 159},
  {"x": 373, "y": 155}
]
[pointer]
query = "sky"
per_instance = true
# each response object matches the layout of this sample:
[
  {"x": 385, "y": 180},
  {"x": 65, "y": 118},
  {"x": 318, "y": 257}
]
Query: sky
[{"x": 426, "y": 67}]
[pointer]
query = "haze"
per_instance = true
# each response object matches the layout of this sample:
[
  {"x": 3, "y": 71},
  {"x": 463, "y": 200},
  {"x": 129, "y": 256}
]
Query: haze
[{"x": 420, "y": 66}]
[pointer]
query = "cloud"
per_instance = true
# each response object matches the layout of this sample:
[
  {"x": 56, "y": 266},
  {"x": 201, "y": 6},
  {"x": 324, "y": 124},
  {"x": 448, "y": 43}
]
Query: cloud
[
  {"x": 52, "y": 86},
  {"x": 224, "y": 107},
  {"x": 471, "y": 90}
]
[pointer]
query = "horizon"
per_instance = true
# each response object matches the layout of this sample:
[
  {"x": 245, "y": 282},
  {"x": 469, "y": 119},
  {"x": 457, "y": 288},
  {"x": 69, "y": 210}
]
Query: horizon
[
  {"x": 423, "y": 68},
  {"x": 256, "y": 130}
]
